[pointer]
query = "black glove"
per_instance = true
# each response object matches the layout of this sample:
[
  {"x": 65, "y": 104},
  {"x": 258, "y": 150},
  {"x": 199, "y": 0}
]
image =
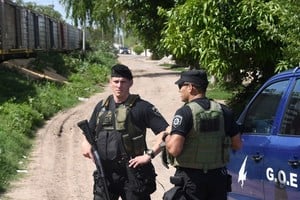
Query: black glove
[{"x": 164, "y": 158}]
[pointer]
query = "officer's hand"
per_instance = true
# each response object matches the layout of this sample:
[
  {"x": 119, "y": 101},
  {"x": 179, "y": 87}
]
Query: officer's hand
[
  {"x": 86, "y": 149},
  {"x": 139, "y": 160}
]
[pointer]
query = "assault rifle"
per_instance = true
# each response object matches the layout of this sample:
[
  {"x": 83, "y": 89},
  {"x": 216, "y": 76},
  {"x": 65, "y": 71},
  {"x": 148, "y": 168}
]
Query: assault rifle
[{"x": 84, "y": 126}]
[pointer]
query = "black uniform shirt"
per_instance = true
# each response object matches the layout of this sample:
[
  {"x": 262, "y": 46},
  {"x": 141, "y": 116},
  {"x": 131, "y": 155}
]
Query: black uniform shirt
[
  {"x": 144, "y": 115},
  {"x": 183, "y": 119}
]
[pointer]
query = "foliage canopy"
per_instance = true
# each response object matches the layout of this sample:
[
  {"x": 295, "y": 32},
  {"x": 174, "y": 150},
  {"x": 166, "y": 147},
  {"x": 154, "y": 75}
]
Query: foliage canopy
[
  {"x": 234, "y": 40},
  {"x": 225, "y": 37}
]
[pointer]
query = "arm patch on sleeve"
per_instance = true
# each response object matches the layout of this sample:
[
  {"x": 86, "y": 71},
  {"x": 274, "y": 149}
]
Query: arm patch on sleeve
[{"x": 177, "y": 120}]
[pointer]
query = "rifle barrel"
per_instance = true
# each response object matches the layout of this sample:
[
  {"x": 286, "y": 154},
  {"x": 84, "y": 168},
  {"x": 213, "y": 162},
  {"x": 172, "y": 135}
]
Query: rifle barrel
[{"x": 84, "y": 126}]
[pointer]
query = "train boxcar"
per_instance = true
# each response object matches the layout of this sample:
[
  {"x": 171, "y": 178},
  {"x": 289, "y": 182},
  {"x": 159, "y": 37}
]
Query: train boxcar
[
  {"x": 73, "y": 37},
  {"x": 54, "y": 34},
  {"x": 22, "y": 40},
  {"x": 8, "y": 26},
  {"x": 16, "y": 31},
  {"x": 30, "y": 29},
  {"x": 24, "y": 32},
  {"x": 40, "y": 32}
]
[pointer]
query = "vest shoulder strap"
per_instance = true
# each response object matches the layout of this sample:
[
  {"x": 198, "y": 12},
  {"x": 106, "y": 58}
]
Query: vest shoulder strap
[
  {"x": 106, "y": 102},
  {"x": 129, "y": 102},
  {"x": 213, "y": 105}
]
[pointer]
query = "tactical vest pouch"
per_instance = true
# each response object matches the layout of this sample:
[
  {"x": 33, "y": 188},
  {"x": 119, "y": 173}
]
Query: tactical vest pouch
[
  {"x": 134, "y": 146},
  {"x": 106, "y": 118},
  {"x": 121, "y": 114},
  {"x": 127, "y": 144},
  {"x": 208, "y": 121},
  {"x": 138, "y": 144},
  {"x": 109, "y": 144},
  {"x": 209, "y": 125}
]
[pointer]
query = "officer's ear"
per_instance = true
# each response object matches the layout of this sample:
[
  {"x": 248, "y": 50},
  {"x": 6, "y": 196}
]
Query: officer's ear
[
  {"x": 241, "y": 127},
  {"x": 131, "y": 83}
]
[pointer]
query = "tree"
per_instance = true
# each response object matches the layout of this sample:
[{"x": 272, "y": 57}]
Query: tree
[
  {"x": 240, "y": 39},
  {"x": 226, "y": 37},
  {"x": 99, "y": 15},
  {"x": 290, "y": 31},
  {"x": 108, "y": 17},
  {"x": 78, "y": 10},
  {"x": 137, "y": 17},
  {"x": 142, "y": 18}
]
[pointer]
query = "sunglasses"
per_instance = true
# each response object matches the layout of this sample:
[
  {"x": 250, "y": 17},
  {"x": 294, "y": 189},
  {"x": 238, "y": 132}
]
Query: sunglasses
[{"x": 181, "y": 85}]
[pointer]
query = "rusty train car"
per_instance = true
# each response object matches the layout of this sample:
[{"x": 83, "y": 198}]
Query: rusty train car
[{"x": 23, "y": 32}]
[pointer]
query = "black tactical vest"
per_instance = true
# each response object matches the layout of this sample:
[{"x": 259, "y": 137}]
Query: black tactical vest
[{"x": 116, "y": 136}]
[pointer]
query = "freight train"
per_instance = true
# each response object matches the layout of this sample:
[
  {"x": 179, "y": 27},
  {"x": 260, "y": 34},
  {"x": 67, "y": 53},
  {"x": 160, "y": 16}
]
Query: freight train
[{"x": 23, "y": 32}]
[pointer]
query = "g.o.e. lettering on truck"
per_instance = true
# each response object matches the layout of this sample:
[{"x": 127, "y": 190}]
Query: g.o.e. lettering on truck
[{"x": 281, "y": 177}]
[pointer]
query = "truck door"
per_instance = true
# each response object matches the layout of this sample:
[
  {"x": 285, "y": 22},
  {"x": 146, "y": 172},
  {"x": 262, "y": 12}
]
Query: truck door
[
  {"x": 282, "y": 157},
  {"x": 247, "y": 165}
]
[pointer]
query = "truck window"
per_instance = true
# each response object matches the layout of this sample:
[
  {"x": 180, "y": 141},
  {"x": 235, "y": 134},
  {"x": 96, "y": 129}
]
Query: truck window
[
  {"x": 260, "y": 115},
  {"x": 291, "y": 120}
]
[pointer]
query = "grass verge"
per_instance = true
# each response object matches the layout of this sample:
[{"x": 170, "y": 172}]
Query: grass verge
[{"x": 26, "y": 103}]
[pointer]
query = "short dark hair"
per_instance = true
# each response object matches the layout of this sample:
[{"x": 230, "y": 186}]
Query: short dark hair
[{"x": 120, "y": 70}]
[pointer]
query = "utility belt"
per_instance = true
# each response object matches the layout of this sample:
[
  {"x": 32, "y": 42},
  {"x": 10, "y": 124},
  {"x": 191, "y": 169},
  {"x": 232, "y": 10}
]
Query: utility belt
[
  {"x": 182, "y": 182},
  {"x": 115, "y": 164},
  {"x": 201, "y": 171},
  {"x": 140, "y": 180}
]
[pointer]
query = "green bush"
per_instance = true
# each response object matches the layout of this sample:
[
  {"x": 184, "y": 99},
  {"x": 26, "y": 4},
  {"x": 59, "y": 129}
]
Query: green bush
[
  {"x": 16, "y": 131},
  {"x": 138, "y": 49},
  {"x": 22, "y": 112}
]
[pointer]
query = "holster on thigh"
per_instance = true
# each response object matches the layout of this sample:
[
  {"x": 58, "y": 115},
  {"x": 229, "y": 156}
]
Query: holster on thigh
[
  {"x": 142, "y": 179},
  {"x": 98, "y": 185}
]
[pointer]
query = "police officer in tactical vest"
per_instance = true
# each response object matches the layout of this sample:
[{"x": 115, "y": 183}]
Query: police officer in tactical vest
[
  {"x": 119, "y": 125},
  {"x": 203, "y": 132}
]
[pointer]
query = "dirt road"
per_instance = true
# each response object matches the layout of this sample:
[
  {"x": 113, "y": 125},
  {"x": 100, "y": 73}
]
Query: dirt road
[{"x": 58, "y": 171}]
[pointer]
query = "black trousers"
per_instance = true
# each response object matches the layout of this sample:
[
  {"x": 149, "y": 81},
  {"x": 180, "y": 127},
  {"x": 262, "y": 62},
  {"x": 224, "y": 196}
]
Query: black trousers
[
  {"x": 201, "y": 185},
  {"x": 120, "y": 190},
  {"x": 127, "y": 183}
]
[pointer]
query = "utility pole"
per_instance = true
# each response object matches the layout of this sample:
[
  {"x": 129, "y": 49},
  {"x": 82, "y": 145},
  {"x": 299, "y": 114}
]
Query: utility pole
[{"x": 83, "y": 36}]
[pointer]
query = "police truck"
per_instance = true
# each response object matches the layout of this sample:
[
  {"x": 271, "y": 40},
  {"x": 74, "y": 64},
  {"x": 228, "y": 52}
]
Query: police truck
[{"x": 268, "y": 165}]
